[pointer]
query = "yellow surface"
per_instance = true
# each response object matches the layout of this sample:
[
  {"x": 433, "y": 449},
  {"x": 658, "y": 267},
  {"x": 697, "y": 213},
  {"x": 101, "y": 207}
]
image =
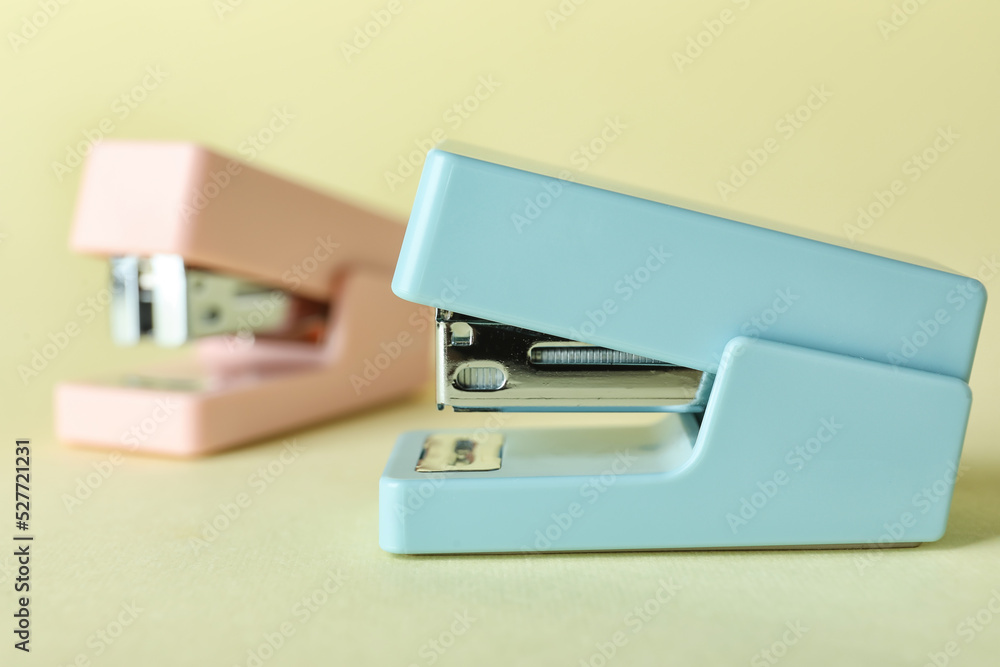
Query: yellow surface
[{"x": 555, "y": 86}]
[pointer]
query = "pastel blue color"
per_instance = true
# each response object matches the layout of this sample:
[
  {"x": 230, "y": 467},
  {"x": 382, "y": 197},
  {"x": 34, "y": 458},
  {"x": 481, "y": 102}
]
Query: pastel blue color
[
  {"x": 797, "y": 447},
  {"x": 836, "y": 417},
  {"x": 471, "y": 247}
]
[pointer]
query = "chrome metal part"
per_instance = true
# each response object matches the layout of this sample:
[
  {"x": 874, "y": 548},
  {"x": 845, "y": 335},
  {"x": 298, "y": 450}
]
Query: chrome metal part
[
  {"x": 484, "y": 365},
  {"x": 160, "y": 297},
  {"x": 461, "y": 452}
]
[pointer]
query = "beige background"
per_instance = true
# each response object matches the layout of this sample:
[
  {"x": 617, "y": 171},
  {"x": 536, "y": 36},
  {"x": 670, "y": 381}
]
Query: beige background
[{"x": 225, "y": 72}]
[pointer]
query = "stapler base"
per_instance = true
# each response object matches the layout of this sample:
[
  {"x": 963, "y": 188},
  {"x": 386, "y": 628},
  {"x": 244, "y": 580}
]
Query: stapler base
[{"x": 796, "y": 447}]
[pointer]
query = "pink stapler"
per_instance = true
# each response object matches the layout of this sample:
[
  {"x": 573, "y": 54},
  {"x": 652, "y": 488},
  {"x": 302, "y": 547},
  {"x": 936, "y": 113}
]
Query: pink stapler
[{"x": 285, "y": 292}]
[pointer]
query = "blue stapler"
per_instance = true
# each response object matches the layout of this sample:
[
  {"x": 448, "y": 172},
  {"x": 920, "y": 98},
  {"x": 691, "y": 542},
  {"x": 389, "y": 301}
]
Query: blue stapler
[{"x": 813, "y": 395}]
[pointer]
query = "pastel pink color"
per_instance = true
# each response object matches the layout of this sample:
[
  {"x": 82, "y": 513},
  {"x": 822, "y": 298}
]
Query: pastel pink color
[{"x": 144, "y": 198}]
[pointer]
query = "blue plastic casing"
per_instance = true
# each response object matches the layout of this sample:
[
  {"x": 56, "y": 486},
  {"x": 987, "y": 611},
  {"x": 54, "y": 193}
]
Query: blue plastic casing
[{"x": 837, "y": 414}]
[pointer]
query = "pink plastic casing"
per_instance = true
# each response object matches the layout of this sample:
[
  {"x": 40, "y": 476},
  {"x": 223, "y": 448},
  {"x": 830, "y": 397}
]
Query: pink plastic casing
[{"x": 144, "y": 198}]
